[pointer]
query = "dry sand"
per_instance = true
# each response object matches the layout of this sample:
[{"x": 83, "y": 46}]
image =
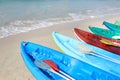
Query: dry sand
[{"x": 12, "y": 66}]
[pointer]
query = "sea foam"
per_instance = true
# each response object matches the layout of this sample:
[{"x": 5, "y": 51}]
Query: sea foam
[{"x": 20, "y": 26}]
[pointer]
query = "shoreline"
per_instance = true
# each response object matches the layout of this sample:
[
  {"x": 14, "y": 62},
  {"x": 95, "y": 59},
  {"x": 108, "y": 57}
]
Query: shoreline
[
  {"x": 12, "y": 65},
  {"x": 8, "y": 30}
]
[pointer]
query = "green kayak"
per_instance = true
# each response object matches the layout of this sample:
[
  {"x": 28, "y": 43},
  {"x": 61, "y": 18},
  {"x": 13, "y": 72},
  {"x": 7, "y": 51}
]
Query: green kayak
[
  {"x": 112, "y": 26},
  {"x": 105, "y": 33}
]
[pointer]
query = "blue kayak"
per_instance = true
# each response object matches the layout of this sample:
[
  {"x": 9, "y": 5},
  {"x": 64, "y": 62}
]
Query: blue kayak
[
  {"x": 70, "y": 47},
  {"x": 112, "y": 27},
  {"x": 77, "y": 69}
]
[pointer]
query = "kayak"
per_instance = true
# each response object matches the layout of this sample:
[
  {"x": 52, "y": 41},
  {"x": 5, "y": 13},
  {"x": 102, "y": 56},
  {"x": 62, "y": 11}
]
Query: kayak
[
  {"x": 104, "y": 32},
  {"x": 112, "y": 27},
  {"x": 70, "y": 47},
  {"x": 94, "y": 40},
  {"x": 75, "y": 68},
  {"x": 117, "y": 22}
]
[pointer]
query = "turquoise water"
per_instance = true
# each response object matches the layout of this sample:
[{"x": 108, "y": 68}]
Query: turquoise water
[{"x": 18, "y": 16}]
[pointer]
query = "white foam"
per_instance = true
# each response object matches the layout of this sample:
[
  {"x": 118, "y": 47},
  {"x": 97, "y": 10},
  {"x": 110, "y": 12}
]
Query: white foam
[{"x": 27, "y": 25}]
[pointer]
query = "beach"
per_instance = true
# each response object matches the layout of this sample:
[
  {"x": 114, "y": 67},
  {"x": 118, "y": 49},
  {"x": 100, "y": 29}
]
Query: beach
[{"x": 12, "y": 66}]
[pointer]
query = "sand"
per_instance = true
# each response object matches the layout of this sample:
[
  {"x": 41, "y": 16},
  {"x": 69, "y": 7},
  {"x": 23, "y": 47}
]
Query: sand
[{"x": 12, "y": 66}]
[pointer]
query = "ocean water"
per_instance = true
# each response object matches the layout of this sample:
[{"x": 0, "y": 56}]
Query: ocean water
[{"x": 17, "y": 16}]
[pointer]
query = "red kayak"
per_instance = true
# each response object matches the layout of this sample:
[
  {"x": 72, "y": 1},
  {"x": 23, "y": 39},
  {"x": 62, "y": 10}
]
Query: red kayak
[{"x": 95, "y": 40}]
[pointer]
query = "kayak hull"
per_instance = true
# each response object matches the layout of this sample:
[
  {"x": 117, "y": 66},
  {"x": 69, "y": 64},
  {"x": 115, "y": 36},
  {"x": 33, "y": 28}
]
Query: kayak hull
[
  {"x": 104, "y": 32},
  {"x": 95, "y": 40},
  {"x": 73, "y": 67},
  {"x": 112, "y": 27},
  {"x": 70, "y": 47}
]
